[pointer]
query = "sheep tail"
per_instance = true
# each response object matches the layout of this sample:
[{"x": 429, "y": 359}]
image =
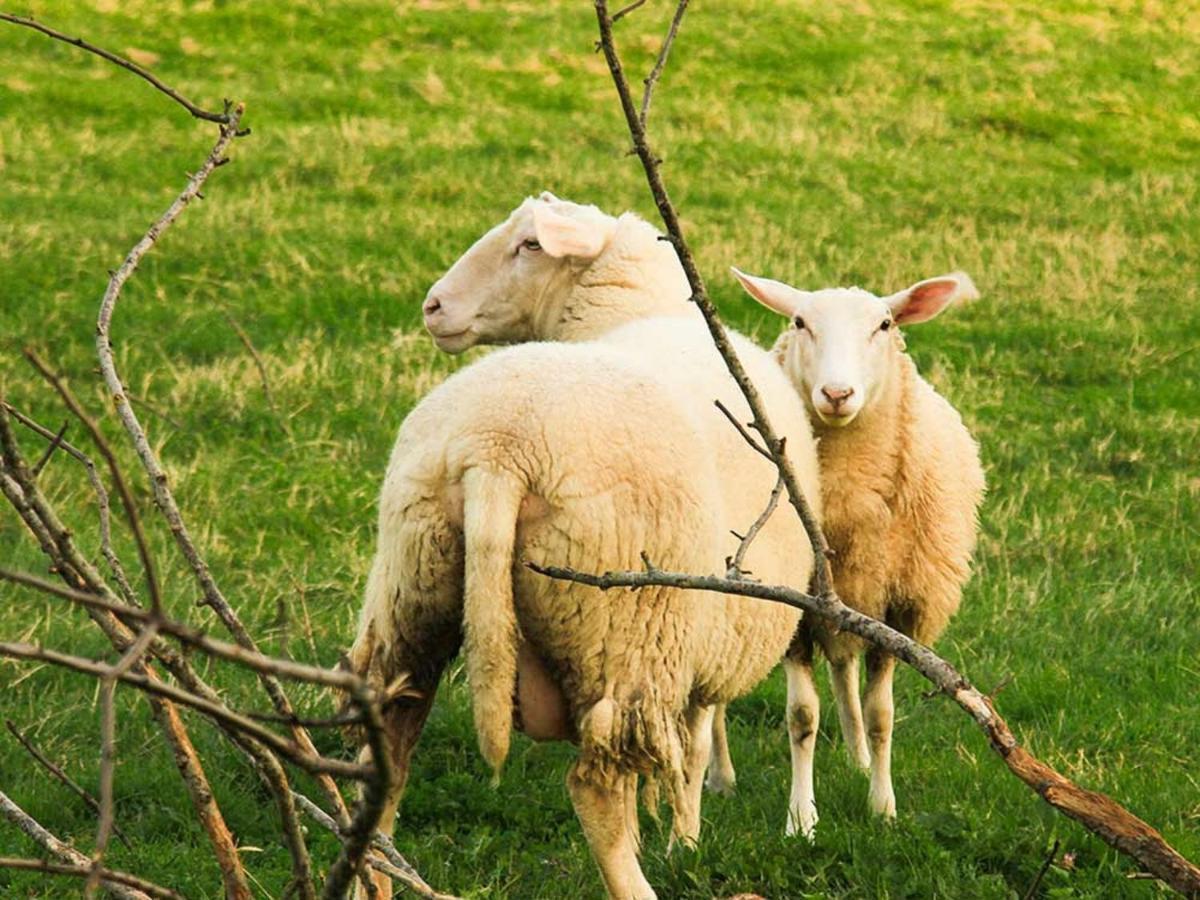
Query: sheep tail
[{"x": 491, "y": 504}]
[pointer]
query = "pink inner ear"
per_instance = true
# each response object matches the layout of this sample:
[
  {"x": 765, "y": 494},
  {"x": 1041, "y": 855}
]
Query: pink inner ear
[
  {"x": 926, "y": 300},
  {"x": 562, "y": 235}
]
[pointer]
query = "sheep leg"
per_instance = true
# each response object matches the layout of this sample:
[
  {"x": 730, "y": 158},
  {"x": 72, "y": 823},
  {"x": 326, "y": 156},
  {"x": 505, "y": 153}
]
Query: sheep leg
[
  {"x": 844, "y": 675},
  {"x": 803, "y": 717},
  {"x": 721, "y": 777},
  {"x": 601, "y": 805},
  {"x": 685, "y": 825},
  {"x": 631, "y": 810},
  {"x": 880, "y": 716},
  {"x": 403, "y": 722}
]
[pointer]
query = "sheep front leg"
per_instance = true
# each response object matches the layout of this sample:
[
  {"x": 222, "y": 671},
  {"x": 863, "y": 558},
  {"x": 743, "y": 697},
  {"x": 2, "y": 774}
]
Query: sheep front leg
[
  {"x": 803, "y": 717},
  {"x": 880, "y": 716},
  {"x": 601, "y": 805},
  {"x": 721, "y": 777},
  {"x": 685, "y": 826},
  {"x": 843, "y": 673}
]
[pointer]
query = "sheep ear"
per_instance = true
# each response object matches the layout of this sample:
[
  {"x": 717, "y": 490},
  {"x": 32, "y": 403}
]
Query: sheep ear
[
  {"x": 583, "y": 236},
  {"x": 547, "y": 197},
  {"x": 775, "y": 295},
  {"x": 927, "y": 298}
]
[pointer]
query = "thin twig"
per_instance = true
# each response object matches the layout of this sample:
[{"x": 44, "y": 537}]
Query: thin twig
[
  {"x": 1041, "y": 872},
  {"x": 1097, "y": 812},
  {"x": 652, "y": 79},
  {"x": 223, "y": 118},
  {"x": 258, "y": 360},
  {"x": 622, "y": 13},
  {"x": 734, "y": 565},
  {"x": 716, "y": 329},
  {"x": 750, "y": 439},
  {"x": 108, "y": 748},
  {"x": 163, "y": 497},
  {"x": 66, "y": 780},
  {"x": 313, "y": 763},
  {"x": 106, "y": 549},
  {"x": 60, "y": 850},
  {"x": 114, "y": 470},
  {"x": 54, "y": 445},
  {"x": 108, "y": 876},
  {"x": 396, "y": 867}
]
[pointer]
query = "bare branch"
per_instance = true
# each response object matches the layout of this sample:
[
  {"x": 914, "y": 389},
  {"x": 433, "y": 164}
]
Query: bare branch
[
  {"x": 258, "y": 360},
  {"x": 652, "y": 79},
  {"x": 223, "y": 118},
  {"x": 108, "y": 748},
  {"x": 1097, "y": 812},
  {"x": 54, "y": 445},
  {"x": 622, "y": 13},
  {"x": 163, "y": 497},
  {"x": 394, "y": 865},
  {"x": 60, "y": 850},
  {"x": 716, "y": 330},
  {"x": 313, "y": 763},
  {"x": 114, "y": 469},
  {"x": 106, "y": 549},
  {"x": 108, "y": 877},
  {"x": 750, "y": 439},
  {"x": 33, "y": 750},
  {"x": 734, "y": 565}
]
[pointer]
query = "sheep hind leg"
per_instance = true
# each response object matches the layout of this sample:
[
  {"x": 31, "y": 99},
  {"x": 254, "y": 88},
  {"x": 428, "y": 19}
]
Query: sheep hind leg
[
  {"x": 880, "y": 716},
  {"x": 602, "y": 805},
  {"x": 844, "y": 675},
  {"x": 403, "y": 722},
  {"x": 685, "y": 823},
  {"x": 721, "y": 778},
  {"x": 803, "y": 718}
]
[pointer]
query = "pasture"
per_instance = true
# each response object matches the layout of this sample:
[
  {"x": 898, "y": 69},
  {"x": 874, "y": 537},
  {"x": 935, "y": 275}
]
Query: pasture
[{"x": 1049, "y": 149}]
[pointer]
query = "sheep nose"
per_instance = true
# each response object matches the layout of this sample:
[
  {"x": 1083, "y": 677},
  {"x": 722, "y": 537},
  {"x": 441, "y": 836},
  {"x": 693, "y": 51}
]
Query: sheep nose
[
  {"x": 431, "y": 305},
  {"x": 837, "y": 394}
]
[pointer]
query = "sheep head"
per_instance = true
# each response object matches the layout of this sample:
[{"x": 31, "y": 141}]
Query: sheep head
[
  {"x": 843, "y": 341},
  {"x": 514, "y": 280}
]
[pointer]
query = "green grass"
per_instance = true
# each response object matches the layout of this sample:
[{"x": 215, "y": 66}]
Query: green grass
[{"x": 1048, "y": 148}]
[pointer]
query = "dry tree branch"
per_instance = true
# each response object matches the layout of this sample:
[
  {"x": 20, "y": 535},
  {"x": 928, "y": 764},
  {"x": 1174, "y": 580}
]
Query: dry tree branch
[
  {"x": 224, "y": 118},
  {"x": 49, "y": 452},
  {"x": 63, "y": 851},
  {"x": 108, "y": 876},
  {"x": 716, "y": 330},
  {"x": 63, "y": 778},
  {"x": 313, "y": 763},
  {"x": 106, "y": 548},
  {"x": 392, "y": 863},
  {"x": 108, "y": 748},
  {"x": 733, "y": 565},
  {"x": 1096, "y": 812},
  {"x": 258, "y": 360},
  {"x": 114, "y": 470},
  {"x": 23, "y": 494},
  {"x": 163, "y": 497},
  {"x": 660, "y": 63}
]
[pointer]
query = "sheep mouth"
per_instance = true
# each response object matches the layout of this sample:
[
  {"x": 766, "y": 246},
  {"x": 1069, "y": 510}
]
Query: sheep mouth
[{"x": 836, "y": 420}]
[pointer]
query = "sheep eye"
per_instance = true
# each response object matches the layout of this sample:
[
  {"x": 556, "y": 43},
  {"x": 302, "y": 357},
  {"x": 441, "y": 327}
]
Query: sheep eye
[
  {"x": 531, "y": 244},
  {"x": 885, "y": 325},
  {"x": 799, "y": 323}
]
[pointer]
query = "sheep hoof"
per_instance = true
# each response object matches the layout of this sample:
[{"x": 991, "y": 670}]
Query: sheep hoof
[
  {"x": 803, "y": 823},
  {"x": 719, "y": 783},
  {"x": 883, "y": 804}
]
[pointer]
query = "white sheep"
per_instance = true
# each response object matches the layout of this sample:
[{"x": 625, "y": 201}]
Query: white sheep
[
  {"x": 901, "y": 485},
  {"x": 584, "y": 454}
]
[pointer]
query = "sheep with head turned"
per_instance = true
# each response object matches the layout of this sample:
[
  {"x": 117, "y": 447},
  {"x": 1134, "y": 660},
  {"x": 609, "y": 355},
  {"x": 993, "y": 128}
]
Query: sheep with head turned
[
  {"x": 585, "y": 452},
  {"x": 901, "y": 485}
]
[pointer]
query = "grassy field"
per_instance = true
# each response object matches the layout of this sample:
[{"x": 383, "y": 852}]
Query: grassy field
[{"x": 1050, "y": 149}]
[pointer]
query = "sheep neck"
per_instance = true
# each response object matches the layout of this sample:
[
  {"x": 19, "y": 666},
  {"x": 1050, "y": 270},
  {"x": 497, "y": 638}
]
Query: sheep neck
[
  {"x": 636, "y": 277},
  {"x": 869, "y": 453}
]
